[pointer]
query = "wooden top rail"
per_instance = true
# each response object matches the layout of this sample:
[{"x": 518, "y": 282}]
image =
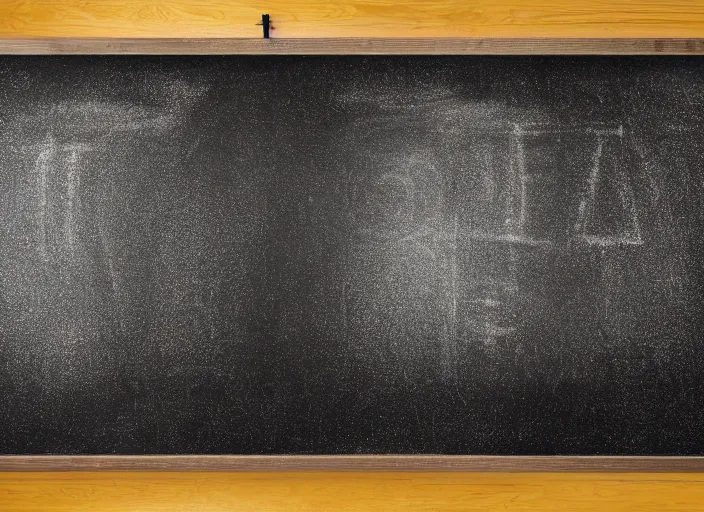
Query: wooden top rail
[{"x": 353, "y": 46}]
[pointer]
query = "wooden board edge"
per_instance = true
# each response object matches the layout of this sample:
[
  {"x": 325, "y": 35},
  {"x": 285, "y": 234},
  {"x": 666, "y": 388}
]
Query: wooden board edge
[
  {"x": 353, "y": 46},
  {"x": 293, "y": 463}
]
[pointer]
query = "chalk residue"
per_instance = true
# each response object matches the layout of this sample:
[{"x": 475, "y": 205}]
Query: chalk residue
[
  {"x": 587, "y": 227},
  {"x": 73, "y": 181},
  {"x": 462, "y": 257},
  {"x": 67, "y": 278},
  {"x": 169, "y": 103},
  {"x": 57, "y": 171},
  {"x": 42, "y": 171}
]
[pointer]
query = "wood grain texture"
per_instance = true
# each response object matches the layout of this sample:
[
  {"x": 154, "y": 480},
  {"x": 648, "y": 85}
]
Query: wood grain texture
[
  {"x": 424, "y": 463},
  {"x": 269, "y": 492},
  {"x": 359, "y": 46},
  {"x": 352, "y": 18},
  {"x": 392, "y": 490}
]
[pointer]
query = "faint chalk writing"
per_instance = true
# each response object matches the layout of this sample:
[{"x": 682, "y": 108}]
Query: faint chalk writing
[
  {"x": 58, "y": 199},
  {"x": 533, "y": 187}
]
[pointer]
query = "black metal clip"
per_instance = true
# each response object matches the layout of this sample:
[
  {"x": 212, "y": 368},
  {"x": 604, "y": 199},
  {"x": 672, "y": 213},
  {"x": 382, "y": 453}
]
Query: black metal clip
[{"x": 266, "y": 24}]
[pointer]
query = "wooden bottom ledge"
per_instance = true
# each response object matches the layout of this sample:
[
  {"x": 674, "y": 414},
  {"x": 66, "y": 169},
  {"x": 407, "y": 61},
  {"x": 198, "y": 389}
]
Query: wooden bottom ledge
[{"x": 422, "y": 463}]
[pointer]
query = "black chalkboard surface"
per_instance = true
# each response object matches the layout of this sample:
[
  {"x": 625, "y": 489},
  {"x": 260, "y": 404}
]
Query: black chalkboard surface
[{"x": 342, "y": 255}]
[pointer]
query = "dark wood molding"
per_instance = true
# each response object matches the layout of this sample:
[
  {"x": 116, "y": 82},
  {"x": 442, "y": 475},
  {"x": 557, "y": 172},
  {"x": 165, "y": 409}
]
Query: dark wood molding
[
  {"x": 266, "y": 463},
  {"x": 354, "y": 46}
]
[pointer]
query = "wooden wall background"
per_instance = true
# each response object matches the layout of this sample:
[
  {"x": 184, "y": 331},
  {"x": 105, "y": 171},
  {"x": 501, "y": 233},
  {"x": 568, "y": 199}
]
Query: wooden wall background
[
  {"x": 350, "y": 491},
  {"x": 352, "y": 18}
]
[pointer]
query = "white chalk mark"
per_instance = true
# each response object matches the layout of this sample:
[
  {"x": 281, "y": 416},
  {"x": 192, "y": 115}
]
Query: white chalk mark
[
  {"x": 538, "y": 129},
  {"x": 493, "y": 331},
  {"x": 652, "y": 169},
  {"x": 73, "y": 181},
  {"x": 498, "y": 284},
  {"x": 490, "y": 189},
  {"x": 450, "y": 348},
  {"x": 56, "y": 164},
  {"x": 486, "y": 302},
  {"x": 608, "y": 241},
  {"x": 520, "y": 178},
  {"x": 586, "y": 205},
  {"x": 418, "y": 239},
  {"x": 112, "y": 274},
  {"x": 426, "y": 250},
  {"x": 628, "y": 202},
  {"x": 42, "y": 166},
  {"x": 420, "y": 233},
  {"x": 507, "y": 239},
  {"x": 407, "y": 184}
]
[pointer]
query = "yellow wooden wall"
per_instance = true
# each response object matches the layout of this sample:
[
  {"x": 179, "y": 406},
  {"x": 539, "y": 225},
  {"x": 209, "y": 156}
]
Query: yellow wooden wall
[
  {"x": 350, "y": 492},
  {"x": 135, "y": 491},
  {"x": 353, "y": 18}
]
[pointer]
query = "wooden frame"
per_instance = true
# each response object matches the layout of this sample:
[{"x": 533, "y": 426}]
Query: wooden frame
[
  {"x": 426, "y": 463},
  {"x": 354, "y": 46}
]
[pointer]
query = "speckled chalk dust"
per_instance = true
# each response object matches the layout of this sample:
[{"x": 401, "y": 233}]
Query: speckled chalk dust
[{"x": 462, "y": 255}]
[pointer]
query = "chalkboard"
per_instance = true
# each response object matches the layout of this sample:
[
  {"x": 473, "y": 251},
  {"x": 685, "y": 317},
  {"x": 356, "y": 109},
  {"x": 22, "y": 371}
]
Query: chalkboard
[{"x": 345, "y": 255}]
